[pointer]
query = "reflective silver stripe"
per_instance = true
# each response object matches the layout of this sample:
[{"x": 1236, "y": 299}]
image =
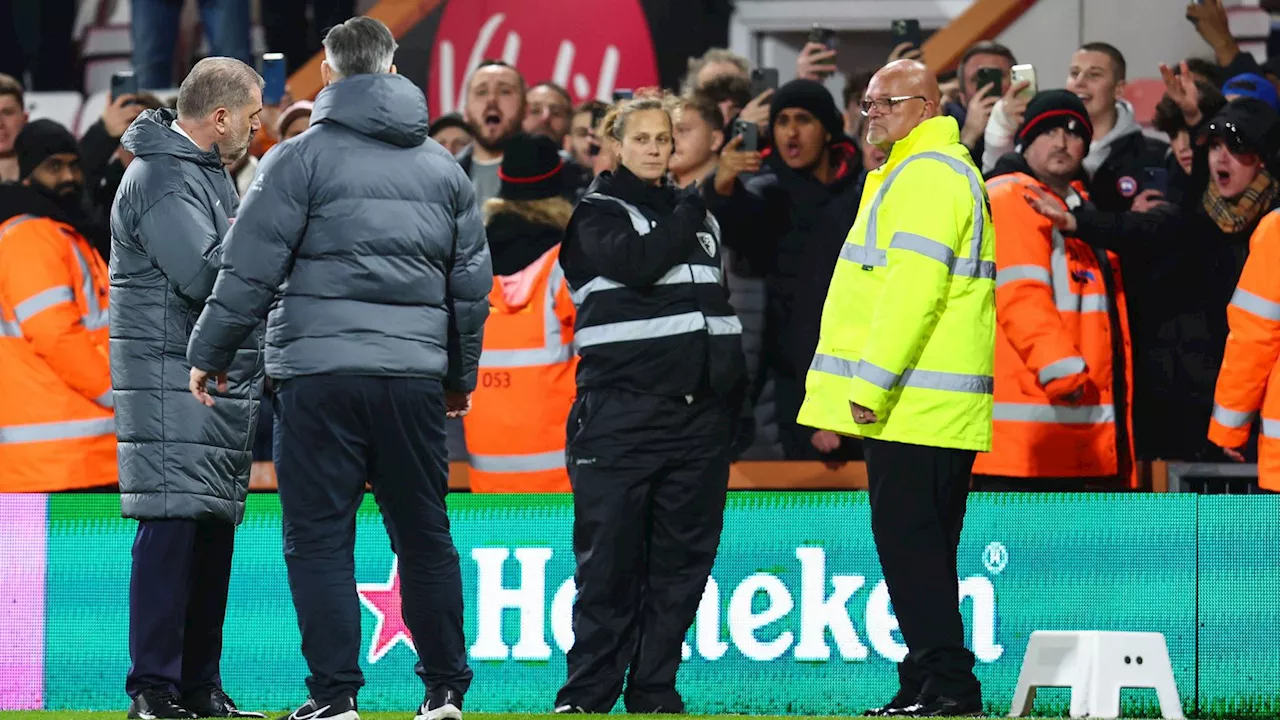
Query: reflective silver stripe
[
  {"x": 533, "y": 357},
  {"x": 106, "y": 399},
  {"x": 9, "y": 329},
  {"x": 554, "y": 350},
  {"x": 90, "y": 297},
  {"x": 646, "y": 329},
  {"x": 1054, "y": 414},
  {"x": 1093, "y": 303},
  {"x": 1014, "y": 273},
  {"x": 1066, "y": 367},
  {"x": 863, "y": 255},
  {"x": 968, "y": 267},
  {"x": 679, "y": 274},
  {"x": 1063, "y": 297},
  {"x": 100, "y": 320},
  {"x": 518, "y": 463},
  {"x": 68, "y": 430},
  {"x": 724, "y": 325},
  {"x": 14, "y": 222},
  {"x": 916, "y": 378},
  {"x": 1002, "y": 180},
  {"x": 1260, "y": 306},
  {"x": 953, "y": 382},
  {"x": 922, "y": 245},
  {"x": 642, "y": 224},
  {"x": 1231, "y": 418},
  {"x": 42, "y": 301},
  {"x": 877, "y": 375},
  {"x": 833, "y": 365},
  {"x": 1270, "y": 428}
]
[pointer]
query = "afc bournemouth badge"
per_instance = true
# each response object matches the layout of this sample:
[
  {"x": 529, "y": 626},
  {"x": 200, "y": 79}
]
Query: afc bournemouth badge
[{"x": 708, "y": 242}]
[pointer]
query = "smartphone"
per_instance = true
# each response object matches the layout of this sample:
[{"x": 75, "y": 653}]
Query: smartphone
[
  {"x": 1156, "y": 178},
  {"x": 273, "y": 75},
  {"x": 990, "y": 76},
  {"x": 623, "y": 94},
  {"x": 906, "y": 31},
  {"x": 823, "y": 36},
  {"x": 1024, "y": 72},
  {"x": 750, "y": 135},
  {"x": 763, "y": 80},
  {"x": 123, "y": 82}
]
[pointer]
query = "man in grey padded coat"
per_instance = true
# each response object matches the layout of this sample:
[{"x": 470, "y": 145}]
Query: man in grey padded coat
[
  {"x": 361, "y": 243},
  {"x": 184, "y": 470}
]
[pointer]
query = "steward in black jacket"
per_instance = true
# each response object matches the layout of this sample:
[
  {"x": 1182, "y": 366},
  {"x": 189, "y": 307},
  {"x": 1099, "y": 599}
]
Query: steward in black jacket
[{"x": 660, "y": 381}]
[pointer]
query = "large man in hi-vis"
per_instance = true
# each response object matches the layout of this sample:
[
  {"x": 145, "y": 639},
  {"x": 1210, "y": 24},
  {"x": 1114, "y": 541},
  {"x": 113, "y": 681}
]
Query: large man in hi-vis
[{"x": 905, "y": 361}]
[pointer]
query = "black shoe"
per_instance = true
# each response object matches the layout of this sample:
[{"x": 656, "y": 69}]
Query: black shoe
[
  {"x": 151, "y": 704},
  {"x": 569, "y": 710},
  {"x": 443, "y": 704},
  {"x": 941, "y": 707},
  {"x": 215, "y": 703},
  {"x": 900, "y": 702},
  {"x": 341, "y": 709}
]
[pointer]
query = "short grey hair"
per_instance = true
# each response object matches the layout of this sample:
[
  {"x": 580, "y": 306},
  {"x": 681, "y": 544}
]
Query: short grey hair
[
  {"x": 710, "y": 57},
  {"x": 359, "y": 46},
  {"x": 216, "y": 82}
]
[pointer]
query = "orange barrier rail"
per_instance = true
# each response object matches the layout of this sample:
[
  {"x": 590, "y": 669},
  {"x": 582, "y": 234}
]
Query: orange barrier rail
[
  {"x": 983, "y": 20},
  {"x": 749, "y": 476}
]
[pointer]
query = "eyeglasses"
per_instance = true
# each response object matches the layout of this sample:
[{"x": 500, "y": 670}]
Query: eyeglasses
[{"x": 884, "y": 105}]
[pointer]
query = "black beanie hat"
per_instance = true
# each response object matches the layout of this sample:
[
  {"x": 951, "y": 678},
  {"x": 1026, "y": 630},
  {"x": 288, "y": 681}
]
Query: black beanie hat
[
  {"x": 38, "y": 140},
  {"x": 1249, "y": 125},
  {"x": 812, "y": 96},
  {"x": 1053, "y": 109},
  {"x": 531, "y": 169}
]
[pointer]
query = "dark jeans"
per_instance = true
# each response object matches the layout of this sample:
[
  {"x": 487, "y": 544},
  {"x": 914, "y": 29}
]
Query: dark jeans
[
  {"x": 155, "y": 33},
  {"x": 177, "y": 602},
  {"x": 918, "y": 496},
  {"x": 333, "y": 434},
  {"x": 649, "y": 476}
]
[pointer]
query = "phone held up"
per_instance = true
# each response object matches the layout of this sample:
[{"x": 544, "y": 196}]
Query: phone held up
[
  {"x": 1028, "y": 73},
  {"x": 750, "y": 135},
  {"x": 123, "y": 82},
  {"x": 623, "y": 94},
  {"x": 1156, "y": 178},
  {"x": 274, "y": 76},
  {"x": 906, "y": 31},
  {"x": 823, "y": 36},
  {"x": 763, "y": 80},
  {"x": 992, "y": 76}
]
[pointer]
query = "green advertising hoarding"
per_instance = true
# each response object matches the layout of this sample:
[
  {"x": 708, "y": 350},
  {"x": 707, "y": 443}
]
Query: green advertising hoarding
[{"x": 795, "y": 620}]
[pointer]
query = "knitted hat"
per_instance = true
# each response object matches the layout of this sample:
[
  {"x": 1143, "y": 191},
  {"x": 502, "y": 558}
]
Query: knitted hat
[
  {"x": 1052, "y": 109},
  {"x": 531, "y": 169},
  {"x": 812, "y": 96},
  {"x": 1249, "y": 125},
  {"x": 291, "y": 113},
  {"x": 40, "y": 139},
  {"x": 1254, "y": 86}
]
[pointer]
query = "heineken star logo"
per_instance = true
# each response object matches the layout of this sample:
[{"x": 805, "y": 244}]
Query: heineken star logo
[{"x": 383, "y": 600}]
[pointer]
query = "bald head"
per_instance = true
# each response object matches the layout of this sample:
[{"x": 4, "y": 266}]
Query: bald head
[{"x": 904, "y": 94}]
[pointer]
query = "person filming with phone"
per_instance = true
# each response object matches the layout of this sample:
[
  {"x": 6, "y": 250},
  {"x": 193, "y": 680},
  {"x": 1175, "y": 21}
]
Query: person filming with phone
[{"x": 786, "y": 210}]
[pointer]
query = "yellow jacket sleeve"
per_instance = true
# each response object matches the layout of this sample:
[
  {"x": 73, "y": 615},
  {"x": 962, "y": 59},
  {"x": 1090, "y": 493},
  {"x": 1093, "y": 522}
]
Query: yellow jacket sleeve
[{"x": 923, "y": 224}]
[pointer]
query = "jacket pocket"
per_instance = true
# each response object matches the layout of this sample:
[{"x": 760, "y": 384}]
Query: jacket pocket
[{"x": 584, "y": 408}]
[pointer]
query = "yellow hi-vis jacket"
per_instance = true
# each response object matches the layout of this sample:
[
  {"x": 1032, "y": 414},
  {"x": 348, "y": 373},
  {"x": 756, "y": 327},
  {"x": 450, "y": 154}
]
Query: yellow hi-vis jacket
[{"x": 908, "y": 329}]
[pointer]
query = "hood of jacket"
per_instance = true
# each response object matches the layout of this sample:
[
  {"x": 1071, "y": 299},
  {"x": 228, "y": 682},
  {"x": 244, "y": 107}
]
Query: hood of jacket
[
  {"x": 17, "y": 199},
  {"x": 382, "y": 106},
  {"x": 151, "y": 134},
  {"x": 519, "y": 233},
  {"x": 1100, "y": 150}
]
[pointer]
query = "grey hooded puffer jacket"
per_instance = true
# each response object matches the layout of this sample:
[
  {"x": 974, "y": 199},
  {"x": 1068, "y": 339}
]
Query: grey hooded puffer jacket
[{"x": 178, "y": 459}]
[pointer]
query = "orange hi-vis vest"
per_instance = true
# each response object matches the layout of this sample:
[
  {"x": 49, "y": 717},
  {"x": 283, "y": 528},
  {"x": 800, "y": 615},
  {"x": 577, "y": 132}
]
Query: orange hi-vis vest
[
  {"x": 1056, "y": 334},
  {"x": 1249, "y": 381},
  {"x": 57, "y": 429},
  {"x": 520, "y": 408}
]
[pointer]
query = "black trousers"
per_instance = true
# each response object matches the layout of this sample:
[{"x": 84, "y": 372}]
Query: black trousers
[
  {"x": 177, "y": 602},
  {"x": 649, "y": 478},
  {"x": 333, "y": 434},
  {"x": 918, "y": 497}
]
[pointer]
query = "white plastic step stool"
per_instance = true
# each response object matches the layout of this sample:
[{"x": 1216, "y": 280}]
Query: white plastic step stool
[{"x": 1096, "y": 665}]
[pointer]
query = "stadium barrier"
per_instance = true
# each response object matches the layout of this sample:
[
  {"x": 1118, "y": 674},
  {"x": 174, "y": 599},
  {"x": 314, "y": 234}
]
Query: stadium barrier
[{"x": 796, "y": 618}]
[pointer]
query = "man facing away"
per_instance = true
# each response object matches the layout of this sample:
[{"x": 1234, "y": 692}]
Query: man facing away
[
  {"x": 904, "y": 361},
  {"x": 362, "y": 238},
  {"x": 184, "y": 471}
]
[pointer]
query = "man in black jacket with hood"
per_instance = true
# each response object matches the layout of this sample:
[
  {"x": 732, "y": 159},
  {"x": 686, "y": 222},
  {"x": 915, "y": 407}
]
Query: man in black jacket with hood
[
  {"x": 363, "y": 240},
  {"x": 787, "y": 211}
]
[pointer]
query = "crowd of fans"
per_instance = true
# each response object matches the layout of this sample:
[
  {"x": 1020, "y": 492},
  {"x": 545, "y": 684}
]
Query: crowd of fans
[{"x": 1175, "y": 216}]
